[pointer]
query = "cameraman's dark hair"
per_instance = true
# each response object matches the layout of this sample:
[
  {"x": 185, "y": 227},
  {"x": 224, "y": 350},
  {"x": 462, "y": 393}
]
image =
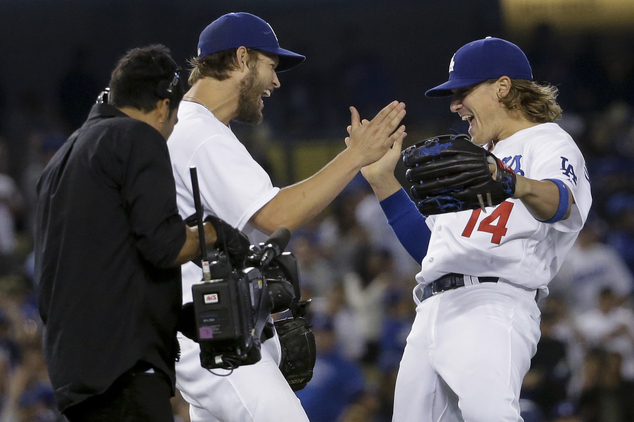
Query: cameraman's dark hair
[{"x": 144, "y": 76}]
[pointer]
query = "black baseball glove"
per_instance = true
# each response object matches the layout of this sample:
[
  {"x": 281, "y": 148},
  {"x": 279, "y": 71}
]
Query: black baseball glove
[
  {"x": 231, "y": 240},
  {"x": 298, "y": 351},
  {"x": 450, "y": 173}
]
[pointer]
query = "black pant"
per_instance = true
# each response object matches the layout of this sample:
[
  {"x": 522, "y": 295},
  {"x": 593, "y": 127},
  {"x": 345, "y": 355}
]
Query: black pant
[{"x": 136, "y": 396}]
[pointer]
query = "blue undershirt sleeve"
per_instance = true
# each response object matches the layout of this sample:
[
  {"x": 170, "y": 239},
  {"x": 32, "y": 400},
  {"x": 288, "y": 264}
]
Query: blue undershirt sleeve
[{"x": 408, "y": 224}]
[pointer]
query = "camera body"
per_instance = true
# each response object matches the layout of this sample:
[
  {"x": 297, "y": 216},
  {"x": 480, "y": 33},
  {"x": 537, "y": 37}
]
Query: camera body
[
  {"x": 224, "y": 310},
  {"x": 231, "y": 310},
  {"x": 232, "y": 304}
]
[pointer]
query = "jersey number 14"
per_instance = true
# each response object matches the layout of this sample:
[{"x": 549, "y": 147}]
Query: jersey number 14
[{"x": 489, "y": 224}]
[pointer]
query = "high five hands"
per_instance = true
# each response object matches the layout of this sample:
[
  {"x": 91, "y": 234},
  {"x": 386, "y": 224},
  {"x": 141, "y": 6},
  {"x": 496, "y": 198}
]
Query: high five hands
[
  {"x": 371, "y": 139},
  {"x": 380, "y": 172}
]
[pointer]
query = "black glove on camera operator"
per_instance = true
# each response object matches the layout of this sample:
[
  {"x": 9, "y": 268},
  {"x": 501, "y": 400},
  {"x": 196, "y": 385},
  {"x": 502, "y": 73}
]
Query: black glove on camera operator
[{"x": 228, "y": 239}]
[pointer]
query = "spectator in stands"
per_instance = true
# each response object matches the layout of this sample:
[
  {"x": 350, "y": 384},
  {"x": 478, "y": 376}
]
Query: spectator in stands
[
  {"x": 336, "y": 381},
  {"x": 365, "y": 289},
  {"x": 606, "y": 396},
  {"x": 590, "y": 267},
  {"x": 610, "y": 326}
]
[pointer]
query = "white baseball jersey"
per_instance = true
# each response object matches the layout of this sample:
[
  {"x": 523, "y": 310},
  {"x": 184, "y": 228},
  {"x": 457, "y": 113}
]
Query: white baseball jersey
[
  {"x": 470, "y": 348},
  {"x": 506, "y": 241},
  {"x": 233, "y": 187}
]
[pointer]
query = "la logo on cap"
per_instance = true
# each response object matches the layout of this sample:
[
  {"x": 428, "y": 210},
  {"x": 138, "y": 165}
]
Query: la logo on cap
[{"x": 487, "y": 58}]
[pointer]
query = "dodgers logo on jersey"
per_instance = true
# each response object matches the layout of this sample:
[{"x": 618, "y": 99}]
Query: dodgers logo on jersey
[
  {"x": 514, "y": 163},
  {"x": 568, "y": 170}
]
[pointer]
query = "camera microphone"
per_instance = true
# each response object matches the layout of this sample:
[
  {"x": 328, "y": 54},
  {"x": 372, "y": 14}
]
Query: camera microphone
[{"x": 274, "y": 246}]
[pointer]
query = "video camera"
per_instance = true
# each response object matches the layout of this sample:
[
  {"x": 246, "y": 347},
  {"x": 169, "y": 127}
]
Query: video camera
[{"x": 232, "y": 306}]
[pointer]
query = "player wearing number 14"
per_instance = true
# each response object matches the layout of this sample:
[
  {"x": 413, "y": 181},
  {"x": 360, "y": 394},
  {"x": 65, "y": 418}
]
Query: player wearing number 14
[{"x": 483, "y": 264}]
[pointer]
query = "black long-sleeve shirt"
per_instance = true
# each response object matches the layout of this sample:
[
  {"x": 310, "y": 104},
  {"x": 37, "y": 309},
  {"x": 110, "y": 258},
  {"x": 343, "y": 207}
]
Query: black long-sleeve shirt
[{"x": 107, "y": 231}]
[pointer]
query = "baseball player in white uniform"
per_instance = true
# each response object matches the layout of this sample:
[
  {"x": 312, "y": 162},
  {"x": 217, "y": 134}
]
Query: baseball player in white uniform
[
  {"x": 238, "y": 57},
  {"x": 477, "y": 321}
]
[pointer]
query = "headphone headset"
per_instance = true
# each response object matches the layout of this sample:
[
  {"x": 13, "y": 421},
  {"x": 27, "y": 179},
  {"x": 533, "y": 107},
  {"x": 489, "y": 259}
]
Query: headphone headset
[
  {"x": 104, "y": 96},
  {"x": 165, "y": 88}
]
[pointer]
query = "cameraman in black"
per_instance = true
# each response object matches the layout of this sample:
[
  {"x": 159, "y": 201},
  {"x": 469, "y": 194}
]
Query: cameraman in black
[{"x": 109, "y": 243}]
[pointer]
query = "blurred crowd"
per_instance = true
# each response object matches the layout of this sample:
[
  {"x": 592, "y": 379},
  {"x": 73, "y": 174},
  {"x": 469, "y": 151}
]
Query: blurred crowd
[{"x": 351, "y": 265}]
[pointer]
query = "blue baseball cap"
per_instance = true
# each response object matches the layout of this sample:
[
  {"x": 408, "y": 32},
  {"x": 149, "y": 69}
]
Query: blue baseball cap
[
  {"x": 489, "y": 58},
  {"x": 243, "y": 29}
]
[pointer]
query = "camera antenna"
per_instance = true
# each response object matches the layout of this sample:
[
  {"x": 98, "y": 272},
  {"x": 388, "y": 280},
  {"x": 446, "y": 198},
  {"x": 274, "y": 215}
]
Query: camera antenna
[{"x": 199, "y": 219}]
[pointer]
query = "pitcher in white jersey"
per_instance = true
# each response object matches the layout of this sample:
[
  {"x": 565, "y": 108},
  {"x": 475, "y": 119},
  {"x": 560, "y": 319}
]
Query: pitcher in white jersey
[
  {"x": 236, "y": 67},
  {"x": 482, "y": 271}
]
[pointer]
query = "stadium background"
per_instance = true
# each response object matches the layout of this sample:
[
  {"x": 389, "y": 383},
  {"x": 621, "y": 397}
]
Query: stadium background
[{"x": 56, "y": 55}]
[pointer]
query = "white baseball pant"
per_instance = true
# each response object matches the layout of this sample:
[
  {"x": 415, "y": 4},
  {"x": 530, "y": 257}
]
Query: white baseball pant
[
  {"x": 252, "y": 393},
  {"x": 467, "y": 354}
]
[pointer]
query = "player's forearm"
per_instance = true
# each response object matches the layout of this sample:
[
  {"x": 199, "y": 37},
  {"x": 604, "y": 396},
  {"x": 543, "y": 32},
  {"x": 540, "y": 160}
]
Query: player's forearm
[
  {"x": 380, "y": 175},
  {"x": 191, "y": 247},
  {"x": 297, "y": 204},
  {"x": 384, "y": 187},
  {"x": 541, "y": 198}
]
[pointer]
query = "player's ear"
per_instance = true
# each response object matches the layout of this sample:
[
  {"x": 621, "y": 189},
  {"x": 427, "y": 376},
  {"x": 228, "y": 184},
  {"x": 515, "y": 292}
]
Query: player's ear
[
  {"x": 503, "y": 86},
  {"x": 242, "y": 55}
]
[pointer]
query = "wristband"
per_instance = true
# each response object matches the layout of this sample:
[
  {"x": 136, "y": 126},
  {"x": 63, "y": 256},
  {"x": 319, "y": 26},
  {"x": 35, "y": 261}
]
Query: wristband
[
  {"x": 564, "y": 201},
  {"x": 395, "y": 205}
]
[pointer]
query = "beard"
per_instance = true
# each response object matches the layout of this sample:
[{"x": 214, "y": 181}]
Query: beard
[{"x": 249, "y": 100}]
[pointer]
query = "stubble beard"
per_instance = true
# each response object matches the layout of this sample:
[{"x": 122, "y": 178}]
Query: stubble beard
[{"x": 249, "y": 100}]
